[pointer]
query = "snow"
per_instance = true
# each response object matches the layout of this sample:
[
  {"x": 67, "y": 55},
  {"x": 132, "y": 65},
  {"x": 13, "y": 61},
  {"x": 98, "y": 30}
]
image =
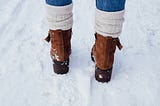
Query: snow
[{"x": 26, "y": 76}]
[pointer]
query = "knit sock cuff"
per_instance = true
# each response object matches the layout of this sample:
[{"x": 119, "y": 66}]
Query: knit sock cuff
[
  {"x": 59, "y": 17},
  {"x": 109, "y": 23}
]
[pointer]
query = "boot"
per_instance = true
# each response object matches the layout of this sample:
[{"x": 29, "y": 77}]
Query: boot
[
  {"x": 103, "y": 55},
  {"x": 60, "y": 49}
]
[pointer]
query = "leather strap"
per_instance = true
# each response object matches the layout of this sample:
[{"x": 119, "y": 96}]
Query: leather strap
[
  {"x": 48, "y": 38},
  {"x": 119, "y": 45}
]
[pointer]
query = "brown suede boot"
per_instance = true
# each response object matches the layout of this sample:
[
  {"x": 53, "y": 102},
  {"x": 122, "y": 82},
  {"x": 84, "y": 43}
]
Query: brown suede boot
[
  {"x": 60, "y": 49},
  {"x": 103, "y": 55}
]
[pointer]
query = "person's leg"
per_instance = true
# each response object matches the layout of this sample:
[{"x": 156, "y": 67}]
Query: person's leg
[
  {"x": 58, "y": 2},
  {"x": 110, "y": 5},
  {"x": 108, "y": 26},
  {"x": 60, "y": 20}
]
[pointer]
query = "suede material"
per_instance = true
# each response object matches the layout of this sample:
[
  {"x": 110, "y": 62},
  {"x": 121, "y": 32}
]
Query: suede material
[
  {"x": 60, "y": 44},
  {"x": 104, "y": 50}
]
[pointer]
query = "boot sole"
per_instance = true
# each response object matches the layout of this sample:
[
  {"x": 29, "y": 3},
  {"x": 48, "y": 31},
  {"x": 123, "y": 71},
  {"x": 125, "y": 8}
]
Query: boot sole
[
  {"x": 103, "y": 75},
  {"x": 61, "y": 67}
]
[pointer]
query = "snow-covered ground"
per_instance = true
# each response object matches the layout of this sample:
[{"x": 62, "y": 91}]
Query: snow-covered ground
[{"x": 26, "y": 76}]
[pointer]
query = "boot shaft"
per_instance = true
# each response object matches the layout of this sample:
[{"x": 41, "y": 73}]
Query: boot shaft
[
  {"x": 60, "y": 44},
  {"x": 104, "y": 50}
]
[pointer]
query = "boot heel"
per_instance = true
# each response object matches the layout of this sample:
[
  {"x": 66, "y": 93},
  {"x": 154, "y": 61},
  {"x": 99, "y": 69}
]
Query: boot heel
[
  {"x": 103, "y": 75},
  {"x": 61, "y": 67}
]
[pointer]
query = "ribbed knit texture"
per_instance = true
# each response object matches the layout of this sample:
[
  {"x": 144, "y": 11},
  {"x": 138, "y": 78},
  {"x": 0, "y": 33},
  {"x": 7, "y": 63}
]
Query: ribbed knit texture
[
  {"x": 59, "y": 17},
  {"x": 109, "y": 23}
]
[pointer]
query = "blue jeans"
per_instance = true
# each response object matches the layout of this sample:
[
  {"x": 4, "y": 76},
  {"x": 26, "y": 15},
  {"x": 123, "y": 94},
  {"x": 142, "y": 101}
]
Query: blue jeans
[
  {"x": 110, "y": 5},
  {"x": 58, "y": 2},
  {"x": 104, "y": 5}
]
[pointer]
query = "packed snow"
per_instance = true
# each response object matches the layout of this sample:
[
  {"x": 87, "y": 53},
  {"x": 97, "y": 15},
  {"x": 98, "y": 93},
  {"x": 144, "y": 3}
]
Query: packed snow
[{"x": 26, "y": 75}]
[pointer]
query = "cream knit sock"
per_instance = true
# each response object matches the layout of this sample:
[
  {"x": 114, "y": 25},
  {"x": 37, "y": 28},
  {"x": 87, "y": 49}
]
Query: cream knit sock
[
  {"x": 59, "y": 17},
  {"x": 109, "y": 23}
]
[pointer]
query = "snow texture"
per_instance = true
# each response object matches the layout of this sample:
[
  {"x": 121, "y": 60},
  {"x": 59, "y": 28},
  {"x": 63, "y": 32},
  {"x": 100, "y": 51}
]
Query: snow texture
[{"x": 26, "y": 76}]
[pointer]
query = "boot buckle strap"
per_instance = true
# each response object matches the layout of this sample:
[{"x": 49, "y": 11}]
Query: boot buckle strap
[
  {"x": 48, "y": 38},
  {"x": 119, "y": 45}
]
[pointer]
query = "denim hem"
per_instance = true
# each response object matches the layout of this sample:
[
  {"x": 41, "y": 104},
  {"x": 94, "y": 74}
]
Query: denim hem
[
  {"x": 110, "y": 5},
  {"x": 58, "y": 2}
]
